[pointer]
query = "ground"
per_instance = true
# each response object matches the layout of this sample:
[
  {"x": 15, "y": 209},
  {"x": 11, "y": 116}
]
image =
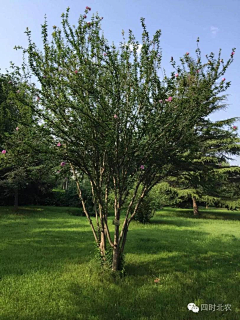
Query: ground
[{"x": 48, "y": 270}]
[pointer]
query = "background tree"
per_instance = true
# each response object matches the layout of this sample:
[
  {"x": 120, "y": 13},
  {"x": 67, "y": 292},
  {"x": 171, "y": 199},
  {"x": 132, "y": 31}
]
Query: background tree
[
  {"x": 26, "y": 150},
  {"x": 118, "y": 122}
]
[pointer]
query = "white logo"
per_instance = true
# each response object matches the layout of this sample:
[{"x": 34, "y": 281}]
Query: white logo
[{"x": 193, "y": 307}]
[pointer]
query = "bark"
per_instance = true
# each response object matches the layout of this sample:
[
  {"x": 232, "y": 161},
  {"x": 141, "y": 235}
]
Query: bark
[
  {"x": 115, "y": 261},
  {"x": 124, "y": 238},
  {"x": 116, "y": 258},
  {"x": 103, "y": 238},
  {"x": 195, "y": 207}
]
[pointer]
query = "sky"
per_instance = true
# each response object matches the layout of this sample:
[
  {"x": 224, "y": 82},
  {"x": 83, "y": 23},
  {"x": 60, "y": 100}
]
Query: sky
[{"x": 215, "y": 22}]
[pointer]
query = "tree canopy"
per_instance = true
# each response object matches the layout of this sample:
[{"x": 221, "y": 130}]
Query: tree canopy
[{"x": 117, "y": 120}]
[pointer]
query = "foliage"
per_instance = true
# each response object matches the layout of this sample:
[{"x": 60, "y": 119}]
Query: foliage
[
  {"x": 163, "y": 195},
  {"x": 27, "y": 162},
  {"x": 145, "y": 211}
]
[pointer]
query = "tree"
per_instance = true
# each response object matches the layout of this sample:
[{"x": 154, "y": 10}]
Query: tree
[
  {"x": 228, "y": 188},
  {"x": 117, "y": 121},
  {"x": 27, "y": 160},
  {"x": 209, "y": 167},
  {"x": 26, "y": 150}
]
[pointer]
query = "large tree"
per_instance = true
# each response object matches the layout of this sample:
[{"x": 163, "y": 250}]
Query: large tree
[
  {"x": 208, "y": 169},
  {"x": 118, "y": 122}
]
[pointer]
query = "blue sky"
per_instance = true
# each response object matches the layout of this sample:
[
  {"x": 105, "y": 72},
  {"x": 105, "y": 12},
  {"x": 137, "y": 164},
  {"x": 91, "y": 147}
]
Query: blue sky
[{"x": 216, "y": 22}]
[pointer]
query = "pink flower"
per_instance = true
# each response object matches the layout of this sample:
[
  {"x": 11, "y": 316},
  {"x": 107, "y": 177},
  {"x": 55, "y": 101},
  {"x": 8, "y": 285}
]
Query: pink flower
[
  {"x": 76, "y": 71},
  {"x": 17, "y": 128},
  {"x": 169, "y": 99},
  {"x": 88, "y": 8},
  {"x": 234, "y": 127},
  {"x": 197, "y": 71},
  {"x": 59, "y": 144},
  {"x": 63, "y": 164},
  {"x": 232, "y": 53},
  {"x": 160, "y": 101},
  {"x": 115, "y": 116},
  {"x": 166, "y": 99},
  {"x": 105, "y": 54},
  {"x": 84, "y": 17},
  {"x": 176, "y": 75},
  {"x": 38, "y": 98},
  {"x": 223, "y": 79},
  {"x": 4, "y": 151},
  {"x": 142, "y": 167},
  {"x": 187, "y": 53}
]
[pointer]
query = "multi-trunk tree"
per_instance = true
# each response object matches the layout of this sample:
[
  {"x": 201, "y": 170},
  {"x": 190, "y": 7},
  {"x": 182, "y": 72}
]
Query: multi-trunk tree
[{"x": 117, "y": 121}]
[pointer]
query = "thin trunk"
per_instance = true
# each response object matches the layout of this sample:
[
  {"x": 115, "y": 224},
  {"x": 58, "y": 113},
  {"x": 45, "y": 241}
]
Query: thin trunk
[
  {"x": 103, "y": 237},
  {"x": 115, "y": 262},
  {"x": 195, "y": 207},
  {"x": 96, "y": 212},
  {"x": 84, "y": 207},
  {"x": 125, "y": 231},
  {"x": 16, "y": 199}
]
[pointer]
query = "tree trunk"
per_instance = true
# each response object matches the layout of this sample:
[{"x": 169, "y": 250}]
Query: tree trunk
[
  {"x": 116, "y": 252},
  {"x": 102, "y": 245},
  {"x": 16, "y": 199},
  {"x": 195, "y": 207},
  {"x": 116, "y": 260}
]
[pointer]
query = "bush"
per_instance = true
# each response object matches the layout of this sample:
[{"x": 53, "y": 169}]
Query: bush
[
  {"x": 70, "y": 198},
  {"x": 146, "y": 210}
]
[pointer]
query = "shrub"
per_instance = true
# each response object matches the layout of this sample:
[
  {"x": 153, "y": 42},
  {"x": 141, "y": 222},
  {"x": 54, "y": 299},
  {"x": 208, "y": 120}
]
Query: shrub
[{"x": 146, "y": 210}]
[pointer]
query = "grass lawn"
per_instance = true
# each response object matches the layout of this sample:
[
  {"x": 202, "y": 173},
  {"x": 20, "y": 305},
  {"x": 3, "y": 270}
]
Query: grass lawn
[{"x": 48, "y": 270}]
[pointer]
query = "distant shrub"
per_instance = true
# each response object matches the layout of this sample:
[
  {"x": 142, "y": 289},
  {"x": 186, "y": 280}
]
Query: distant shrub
[{"x": 146, "y": 210}]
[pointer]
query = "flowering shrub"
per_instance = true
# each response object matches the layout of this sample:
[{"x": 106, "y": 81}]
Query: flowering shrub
[{"x": 110, "y": 121}]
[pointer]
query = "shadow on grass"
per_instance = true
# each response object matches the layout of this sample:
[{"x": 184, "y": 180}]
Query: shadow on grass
[
  {"x": 217, "y": 214},
  {"x": 167, "y": 253},
  {"x": 45, "y": 243},
  {"x": 173, "y": 222},
  {"x": 134, "y": 297}
]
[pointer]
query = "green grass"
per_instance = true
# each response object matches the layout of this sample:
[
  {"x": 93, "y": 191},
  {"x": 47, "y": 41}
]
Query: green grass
[{"x": 48, "y": 270}]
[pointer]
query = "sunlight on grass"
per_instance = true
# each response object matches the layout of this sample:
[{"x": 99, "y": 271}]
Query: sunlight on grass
[{"x": 48, "y": 270}]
